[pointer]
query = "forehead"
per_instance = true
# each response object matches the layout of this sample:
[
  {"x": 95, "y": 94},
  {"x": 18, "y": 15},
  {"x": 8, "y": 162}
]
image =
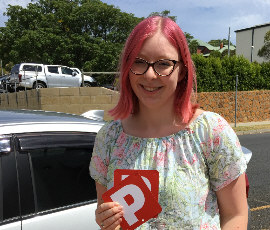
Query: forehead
[{"x": 158, "y": 46}]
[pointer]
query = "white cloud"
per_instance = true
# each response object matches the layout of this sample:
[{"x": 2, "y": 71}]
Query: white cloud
[
  {"x": 204, "y": 19},
  {"x": 243, "y": 21},
  {"x": 4, "y": 4}
]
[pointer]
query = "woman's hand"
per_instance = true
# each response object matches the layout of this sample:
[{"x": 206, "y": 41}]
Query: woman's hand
[{"x": 109, "y": 215}]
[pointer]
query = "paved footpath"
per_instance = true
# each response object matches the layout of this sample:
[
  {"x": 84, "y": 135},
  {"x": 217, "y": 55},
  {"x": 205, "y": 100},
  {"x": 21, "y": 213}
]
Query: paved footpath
[{"x": 252, "y": 124}]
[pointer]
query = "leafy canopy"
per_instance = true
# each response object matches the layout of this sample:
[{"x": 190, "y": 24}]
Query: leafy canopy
[
  {"x": 88, "y": 34},
  {"x": 265, "y": 50}
]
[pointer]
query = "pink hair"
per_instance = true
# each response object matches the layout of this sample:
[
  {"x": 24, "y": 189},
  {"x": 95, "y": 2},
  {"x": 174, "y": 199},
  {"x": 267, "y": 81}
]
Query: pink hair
[{"x": 128, "y": 101}]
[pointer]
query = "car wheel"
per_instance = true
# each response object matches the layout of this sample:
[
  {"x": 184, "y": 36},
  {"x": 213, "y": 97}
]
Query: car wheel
[
  {"x": 87, "y": 84},
  {"x": 39, "y": 85}
]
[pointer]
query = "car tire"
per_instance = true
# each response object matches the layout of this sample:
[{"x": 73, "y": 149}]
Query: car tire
[
  {"x": 39, "y": 85},
  {"x": 87, "y": 84}
]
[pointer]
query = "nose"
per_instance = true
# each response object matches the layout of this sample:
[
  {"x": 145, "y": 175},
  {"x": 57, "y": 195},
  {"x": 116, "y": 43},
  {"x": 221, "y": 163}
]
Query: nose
[{"x": 150, "y": 74}]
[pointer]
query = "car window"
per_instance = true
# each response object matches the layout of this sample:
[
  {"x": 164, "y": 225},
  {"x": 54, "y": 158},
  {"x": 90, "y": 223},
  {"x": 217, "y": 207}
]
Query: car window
[
  {"x": 1, "y": 191},
  {"x": 9, "y": 196},
  {"x": 61, "y": 177},
  {"x": 33, "y": 68},
  {"x": 53, "y": 69},
  {"x": 60, "y": 168},
  {"x": 15, "y": 69},
  {"x": 66, "y": 70}
]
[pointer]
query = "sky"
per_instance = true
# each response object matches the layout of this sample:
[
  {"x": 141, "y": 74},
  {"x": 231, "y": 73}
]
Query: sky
[{"x": 203, "y": 19}]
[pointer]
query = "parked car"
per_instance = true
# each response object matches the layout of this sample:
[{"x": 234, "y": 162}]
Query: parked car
[
  {"x": 33, "y": 75},
  {"x": 44, "y": 175},
  {"x": 88, "y": 80},
  {"x": 4, "y": 83},
  {"x": 44, "y": 168}
]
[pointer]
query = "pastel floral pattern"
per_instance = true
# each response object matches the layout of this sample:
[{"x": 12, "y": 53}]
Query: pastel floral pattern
[{"x": 192, "y": 163}]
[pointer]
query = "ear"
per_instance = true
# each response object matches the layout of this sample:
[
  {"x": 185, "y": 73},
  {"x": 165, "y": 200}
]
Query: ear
[{"x": 183, "y": 70}]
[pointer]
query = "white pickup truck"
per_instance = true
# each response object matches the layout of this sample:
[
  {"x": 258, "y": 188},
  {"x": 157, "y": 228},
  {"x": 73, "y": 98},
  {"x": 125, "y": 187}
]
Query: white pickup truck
[{"x": 33, "y": 75}]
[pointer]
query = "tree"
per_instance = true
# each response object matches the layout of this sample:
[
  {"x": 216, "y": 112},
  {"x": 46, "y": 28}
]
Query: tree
[
  {"x": 217, "y": 42},
  {"x": 265, "y": 50},
  {"x": 164, "y": 13},
  {"x": 192, "y": 44},
  {"x": 87, "y": 34}
]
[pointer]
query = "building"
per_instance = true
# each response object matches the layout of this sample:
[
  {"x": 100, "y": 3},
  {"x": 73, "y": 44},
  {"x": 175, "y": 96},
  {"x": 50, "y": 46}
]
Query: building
[
  {"x": 205, "y": 49},
  {"x": 250, "y": 40}
]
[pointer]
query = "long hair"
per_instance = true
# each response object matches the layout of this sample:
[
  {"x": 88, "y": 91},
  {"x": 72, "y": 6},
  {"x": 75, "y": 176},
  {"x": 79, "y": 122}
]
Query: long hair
[{"x": 186, "y": 88}]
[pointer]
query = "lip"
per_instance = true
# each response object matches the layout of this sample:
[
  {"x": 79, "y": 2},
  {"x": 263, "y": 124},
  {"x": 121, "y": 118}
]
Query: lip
[{"x": 150, "y": 89}]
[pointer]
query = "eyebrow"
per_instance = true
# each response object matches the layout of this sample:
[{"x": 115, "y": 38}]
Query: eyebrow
[{"x": 159, "y": 58}]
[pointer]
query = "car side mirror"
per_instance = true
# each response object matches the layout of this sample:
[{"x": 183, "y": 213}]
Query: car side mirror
[
  {"x": 5, "y": 146},
  {"x": 74, "y": 73}
]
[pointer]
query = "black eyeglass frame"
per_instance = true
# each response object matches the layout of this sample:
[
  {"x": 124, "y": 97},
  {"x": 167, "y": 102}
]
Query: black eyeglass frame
[{"x": 152, "y": 65}]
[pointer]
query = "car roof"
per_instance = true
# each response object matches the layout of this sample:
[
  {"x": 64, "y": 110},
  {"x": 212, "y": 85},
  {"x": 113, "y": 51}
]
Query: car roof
[
  {"x": 18, "y": 121},
  {"x": 28, "y": 63}
]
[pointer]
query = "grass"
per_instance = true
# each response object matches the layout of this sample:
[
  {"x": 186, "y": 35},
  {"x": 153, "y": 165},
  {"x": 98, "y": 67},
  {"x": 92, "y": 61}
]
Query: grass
[{"x": 252, "y": 127}]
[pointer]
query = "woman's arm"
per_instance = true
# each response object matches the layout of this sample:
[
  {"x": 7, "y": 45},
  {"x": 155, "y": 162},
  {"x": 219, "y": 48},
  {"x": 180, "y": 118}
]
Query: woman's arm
[
  {"x": 108, "y": 215},
  {"x": 232, "y": 203}
]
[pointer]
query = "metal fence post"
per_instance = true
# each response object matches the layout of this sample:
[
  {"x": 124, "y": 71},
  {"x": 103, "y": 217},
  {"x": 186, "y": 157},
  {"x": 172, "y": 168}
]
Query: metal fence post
[
  {"x": 236, "y": 84},
  {"x": 82, "y": 78}
]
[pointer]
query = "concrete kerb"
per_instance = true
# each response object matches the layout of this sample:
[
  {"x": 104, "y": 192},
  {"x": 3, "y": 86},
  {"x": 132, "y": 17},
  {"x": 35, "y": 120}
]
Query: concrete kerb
[{"x": 253, "y": 131}]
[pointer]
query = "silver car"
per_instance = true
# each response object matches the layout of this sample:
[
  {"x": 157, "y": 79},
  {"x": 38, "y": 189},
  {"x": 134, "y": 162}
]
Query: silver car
[{"x": 44, "y": 175}]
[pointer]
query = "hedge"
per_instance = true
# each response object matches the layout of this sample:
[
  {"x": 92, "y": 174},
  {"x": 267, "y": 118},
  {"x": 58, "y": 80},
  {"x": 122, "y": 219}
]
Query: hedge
[{"x": 218, "y": 74}]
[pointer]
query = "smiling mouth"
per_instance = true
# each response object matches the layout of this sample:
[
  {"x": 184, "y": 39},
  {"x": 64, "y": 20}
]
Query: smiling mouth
[{"x": 151, "y": 89}]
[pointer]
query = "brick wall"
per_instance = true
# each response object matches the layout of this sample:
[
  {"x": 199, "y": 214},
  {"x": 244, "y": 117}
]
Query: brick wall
[{"x": 251, "y": 105}]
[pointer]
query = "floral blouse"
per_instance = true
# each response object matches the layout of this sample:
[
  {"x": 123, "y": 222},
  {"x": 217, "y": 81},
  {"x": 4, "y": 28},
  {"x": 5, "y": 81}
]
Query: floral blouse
[{"x": 192, "y": 163}]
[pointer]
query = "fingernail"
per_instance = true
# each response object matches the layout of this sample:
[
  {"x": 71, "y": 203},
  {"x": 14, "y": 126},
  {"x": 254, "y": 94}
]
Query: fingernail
[{"x": 120, "y": 208}]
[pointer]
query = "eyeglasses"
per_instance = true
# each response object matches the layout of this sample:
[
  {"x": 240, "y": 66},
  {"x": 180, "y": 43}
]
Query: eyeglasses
[{"x": 163, "y": 67}]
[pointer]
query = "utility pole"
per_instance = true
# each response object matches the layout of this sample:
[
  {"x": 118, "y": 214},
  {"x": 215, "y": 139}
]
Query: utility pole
[
  {"x": 2, "y": 72},
  {"x": 229, "y": 36}
]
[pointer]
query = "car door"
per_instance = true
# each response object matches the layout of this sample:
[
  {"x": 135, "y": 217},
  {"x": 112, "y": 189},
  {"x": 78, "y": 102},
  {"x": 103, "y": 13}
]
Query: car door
[
  {"x": 9, "y": 196},
  {"x": 53, "y": 76},
  {"x": 64, "y": 195},
  {"x": 71, "y": 79}
]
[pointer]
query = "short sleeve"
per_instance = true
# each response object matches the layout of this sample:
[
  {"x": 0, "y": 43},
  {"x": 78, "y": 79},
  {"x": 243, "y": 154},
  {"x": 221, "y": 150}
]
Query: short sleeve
[
  {"x": 101, "y": 153},
  {"x": 223, "y": 152}
]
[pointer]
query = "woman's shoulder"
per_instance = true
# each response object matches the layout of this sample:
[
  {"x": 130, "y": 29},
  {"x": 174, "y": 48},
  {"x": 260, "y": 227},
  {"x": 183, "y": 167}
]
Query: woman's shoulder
[
  {"x": 110, "y": 129},
  {"x": 202, "y": 116},
  {"x": 207, "y": 120}
]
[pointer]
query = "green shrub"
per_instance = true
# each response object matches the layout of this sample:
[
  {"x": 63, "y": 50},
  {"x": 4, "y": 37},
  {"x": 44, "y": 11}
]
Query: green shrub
[{"x": 215, "y": 74}]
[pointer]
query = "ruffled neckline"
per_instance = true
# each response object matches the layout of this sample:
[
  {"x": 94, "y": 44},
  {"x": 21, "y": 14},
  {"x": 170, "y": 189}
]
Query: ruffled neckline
[{"x": 187, "y": 130}]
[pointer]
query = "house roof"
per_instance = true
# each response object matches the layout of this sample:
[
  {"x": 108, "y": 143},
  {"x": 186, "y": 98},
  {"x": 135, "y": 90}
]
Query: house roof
[
  {"x": 205, "y": 44},
  {"x": 211, "y": 48},
  {"x": 253, "y": 27},
  {"x": 225, "y": 47}
]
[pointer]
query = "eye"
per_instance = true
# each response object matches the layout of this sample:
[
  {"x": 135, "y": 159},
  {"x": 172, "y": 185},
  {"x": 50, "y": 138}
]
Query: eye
[
  {"x": 164, "y": 63},
  {"x": 139, "y": 61}
]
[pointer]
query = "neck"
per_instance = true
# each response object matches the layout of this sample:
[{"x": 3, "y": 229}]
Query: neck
[
  {"x": 150, "y": 122},
  {"x": 156, "y": 118}
]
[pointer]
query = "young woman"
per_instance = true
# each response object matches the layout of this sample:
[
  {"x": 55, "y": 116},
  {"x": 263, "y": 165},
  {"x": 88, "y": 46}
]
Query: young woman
[{"x": 158, "y": 126}]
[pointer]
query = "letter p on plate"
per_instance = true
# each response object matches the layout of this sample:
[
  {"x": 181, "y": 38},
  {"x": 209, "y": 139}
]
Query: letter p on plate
[
  {"x": 138, "y": 203},
  {"x": 144, "y": 205}
]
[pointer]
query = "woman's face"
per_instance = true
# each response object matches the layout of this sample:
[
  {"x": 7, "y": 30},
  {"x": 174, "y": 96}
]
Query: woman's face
[{"x": 154, "y": 91}]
